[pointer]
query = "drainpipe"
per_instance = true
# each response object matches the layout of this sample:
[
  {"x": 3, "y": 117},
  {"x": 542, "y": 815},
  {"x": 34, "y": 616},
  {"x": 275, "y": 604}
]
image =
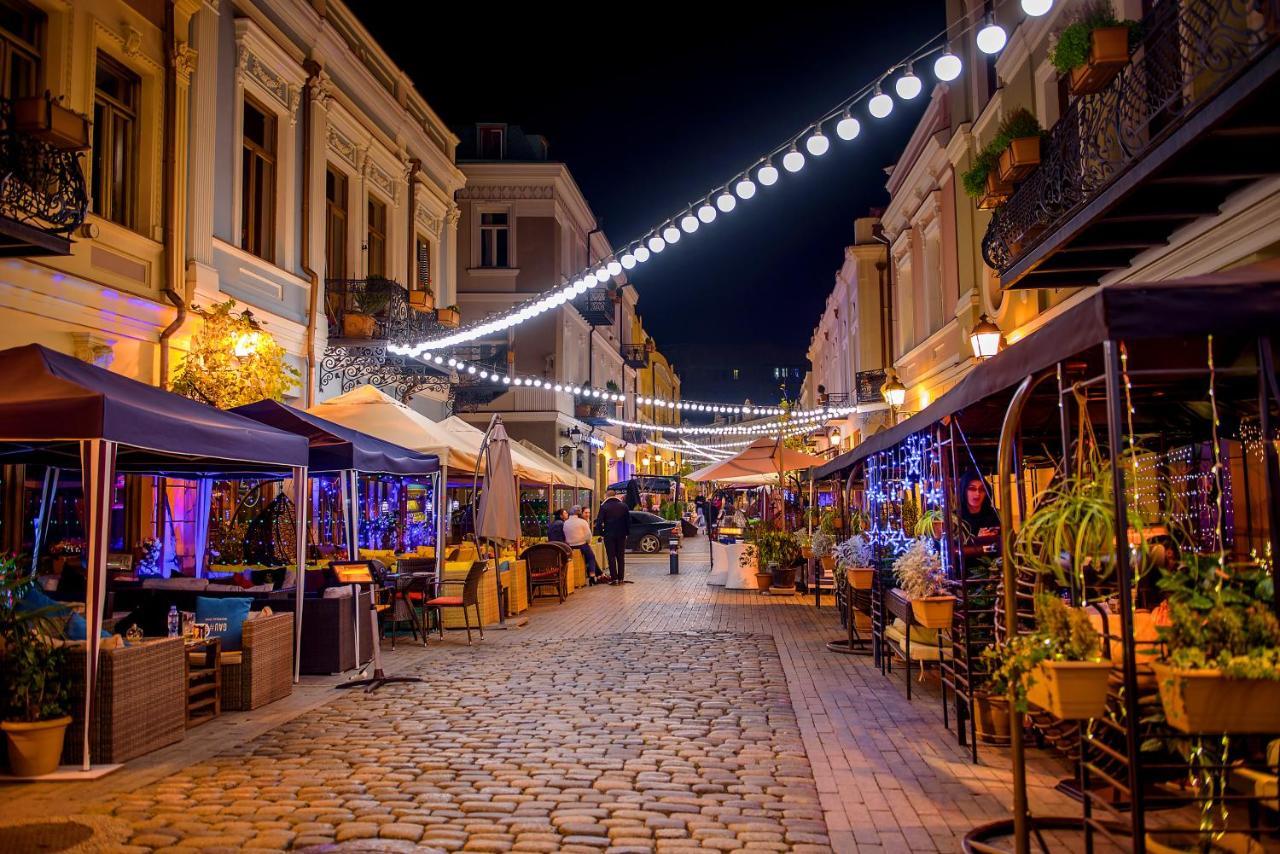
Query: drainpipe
[
  {"x": 415, "y": 165},
  {"x": 313, "y": 74},
  {"x": 173, "y": 262},
  {"x": 886, "y": 295}
]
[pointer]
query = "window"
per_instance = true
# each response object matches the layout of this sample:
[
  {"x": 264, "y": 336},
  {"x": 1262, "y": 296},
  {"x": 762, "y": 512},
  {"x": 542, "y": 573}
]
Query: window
[
  {"x": 492, "y": 140},
  {"x": 422, "y": 255},
  {"x": 20, "y": 32},
  {"x": 115, "y": 141},
  {"x": 258, "y": 181},
  {"x": 735, "y": 373},
  {"x": 335, "y": 224},
  {"x": 495, "y": 235},
  {"x": 377, "y": 242}
]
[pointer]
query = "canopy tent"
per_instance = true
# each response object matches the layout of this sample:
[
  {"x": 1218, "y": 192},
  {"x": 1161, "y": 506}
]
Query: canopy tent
[
  {"x": 525, "y": 465},
  {"x": 567, "y": 476},
  {"x": 375, "y": 413},
  {"x": 58, "y": 411},
  {"x": 764, "y": 456}
]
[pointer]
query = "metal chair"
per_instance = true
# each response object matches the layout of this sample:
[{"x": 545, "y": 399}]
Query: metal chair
[
  {"x": 547, "y": 564},
  {"x": 470, "y": 598}
]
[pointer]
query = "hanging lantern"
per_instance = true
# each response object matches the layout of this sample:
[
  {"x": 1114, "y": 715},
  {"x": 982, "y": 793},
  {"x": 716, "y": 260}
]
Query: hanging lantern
[
  {"x": 985, "y": 338},
  {"x": 895, "y": 393}
]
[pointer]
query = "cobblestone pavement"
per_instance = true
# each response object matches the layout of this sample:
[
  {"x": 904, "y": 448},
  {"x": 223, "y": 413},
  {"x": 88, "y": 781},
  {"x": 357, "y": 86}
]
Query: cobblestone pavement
[{"x": 622, "y": 742}]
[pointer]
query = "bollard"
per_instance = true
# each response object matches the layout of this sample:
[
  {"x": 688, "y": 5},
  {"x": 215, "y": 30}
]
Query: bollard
[{"x": 674, "y": 544}]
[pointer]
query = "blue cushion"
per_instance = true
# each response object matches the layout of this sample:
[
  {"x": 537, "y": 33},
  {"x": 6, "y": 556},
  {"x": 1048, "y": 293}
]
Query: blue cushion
[
  {"x": 225, "y": 618},
  {"x": 35, "y": 598},
  {"x": 78, "y": 629}
]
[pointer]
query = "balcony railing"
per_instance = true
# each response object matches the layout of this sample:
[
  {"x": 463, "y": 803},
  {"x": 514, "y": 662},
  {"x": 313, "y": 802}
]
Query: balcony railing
[
  {"x": 833, "y": 398},
  {"x": 869, "y": 385},
  {"x": 635, "y": 355},
  {"x": 596, "y": 307},
  {"x": 43, "y": 198},
  {"x": 1096, "y": 157}
]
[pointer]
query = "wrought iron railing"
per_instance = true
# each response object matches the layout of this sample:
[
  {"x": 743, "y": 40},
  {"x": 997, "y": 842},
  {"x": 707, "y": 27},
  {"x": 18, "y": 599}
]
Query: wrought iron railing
[
  {"x": 833, "y": 398},
  {"x": 1188, "y": 50},
  {"x": 41, "y": 186},
  {"x": 596, "y": 307},
  {"x": 869, "y": 385},
  {"x": 635, "y": 355}
]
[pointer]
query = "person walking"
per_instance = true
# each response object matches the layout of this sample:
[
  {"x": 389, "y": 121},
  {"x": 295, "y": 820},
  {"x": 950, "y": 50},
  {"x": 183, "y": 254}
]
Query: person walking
[
  {"x": 712, "y": 513},
  {"x": 577, "y": 533},
  {"x": 613, "y": 522},
  {"x": 555, "y": 531}
]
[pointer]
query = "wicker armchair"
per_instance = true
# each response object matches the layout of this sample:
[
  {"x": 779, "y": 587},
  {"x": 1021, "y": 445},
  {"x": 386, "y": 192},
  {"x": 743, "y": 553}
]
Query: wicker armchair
[
  {"x": 548, "y": 565},
  {"x": 262, "y": 671},
  {"x": 141, "y": 702}
]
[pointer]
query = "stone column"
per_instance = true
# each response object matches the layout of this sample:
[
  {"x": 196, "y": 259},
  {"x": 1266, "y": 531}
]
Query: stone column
[{"x": 202, "y": 146}]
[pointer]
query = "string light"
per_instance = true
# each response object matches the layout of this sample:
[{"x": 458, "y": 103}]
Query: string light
[
  {"x": 809, "y": 422},
  {"x": 991, "y": 38}
]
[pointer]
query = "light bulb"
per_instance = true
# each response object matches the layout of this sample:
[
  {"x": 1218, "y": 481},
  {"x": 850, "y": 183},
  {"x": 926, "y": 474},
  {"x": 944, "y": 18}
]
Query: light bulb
[
  {"x": 1036, "y": 8},
  {"x": 726, "y": 201},
  {"x": 602, "y": 275},
  {"x": 817, "y": 144},
  {"x": 947, "y": 67},
  {"x": 671, "y": 234},
  {"x": 793, "y": 160},
  {"x": 745, "y": 188},
  {"x": 591, "y": 280},
  {"x": 880, "y": 104},
  {"x": 707, "y": 213},
  {"x": 908, "y": 85},
  {"x": 579, "y": 286},
  {"x": 614, "y": 268},
  {"x": 848, "y": 127},
  {"x": 689, "y": 223},
  {"x": 767, "y": 174},
  {"x": 628, "y": 261},
  {"x": 657, "y": 244},
  {"x": 991, "y": 38},
  {"x": 642, "y": 254}
]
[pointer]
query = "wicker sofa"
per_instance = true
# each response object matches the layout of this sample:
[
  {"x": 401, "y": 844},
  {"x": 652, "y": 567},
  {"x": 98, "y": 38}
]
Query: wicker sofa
[
  {"x": 262, "y": 671},
  {"x": 140, "y": 704}
]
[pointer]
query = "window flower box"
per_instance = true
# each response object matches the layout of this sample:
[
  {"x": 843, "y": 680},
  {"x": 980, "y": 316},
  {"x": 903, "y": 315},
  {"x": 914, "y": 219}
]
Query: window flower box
[{"x": 1020, "y": 159}]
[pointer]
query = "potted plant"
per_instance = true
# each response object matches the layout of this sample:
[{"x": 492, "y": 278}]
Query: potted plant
[
  {"x": 1057, "y": 667},
  {"x": 367, "y": 302},
  {"x": 33, "y": 695},
  {"x": 1093, "y": 48},
  {"x": 982, "y": 181},
  {"x": 1071, "y": 531},
  {"x": 1019, "y": 146},
  {"x": 448, "y": 316},
  {"x": 990, "y": 709},
  {"x": 423, "y": 300},
  {"x": 921, "y": 579},
  {"x": 930, "y": 524},
  {"x": 1221, "y": 669},
  {"x": 805, "y": 542},
  {"x": 751, "y": 558},
  {"x": 856, "y": 557}
]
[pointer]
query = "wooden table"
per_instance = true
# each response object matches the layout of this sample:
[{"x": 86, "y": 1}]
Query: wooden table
[{"x": 203, "y": 660}]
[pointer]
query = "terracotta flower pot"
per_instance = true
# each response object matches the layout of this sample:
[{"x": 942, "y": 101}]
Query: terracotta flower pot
[
  {"x": 35, "y": 747},
  {"x": 447, "y": 317},
  {"x": 358, "y": 325},
  {"x": 422, "y": 300},
  {"x": 763, "y": 581},
  {"x": 991, "y": 717},
  {"x": 860, "y": 577},
  {"x": 997, "y": 194},
  {"x": 1108, "y": 54},
  {"x": 807, "y": 551},
  {"x": 1206, "y": 701},
  {"x": 933, "y": 612},
  {"x": 1020, "y": 159},
  {"x": 1070, "y": 690}
]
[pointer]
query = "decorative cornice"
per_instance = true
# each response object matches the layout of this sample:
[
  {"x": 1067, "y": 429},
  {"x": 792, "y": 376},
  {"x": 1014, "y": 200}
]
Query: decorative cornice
[
  {"x": 132, "y": 42},
  {"x": 423, "y": 216},
  {"x": 507, "y": 193},
  {"x": 252, "y": 67},
  {"x": 382, "y": 180},
  {"x": 184, "y": 60},
  {"x": 340, "y": 145}
]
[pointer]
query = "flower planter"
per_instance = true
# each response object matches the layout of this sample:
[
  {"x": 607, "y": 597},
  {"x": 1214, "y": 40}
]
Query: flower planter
[
  {"x": 358, "y": 325},
  {"x": 860, "y": 577},
  {"x": 36, "y": 747},
  {"x": 47, "y": 120},
  {"x": 997, "y": 194},
  {"x": 783, "y": 579},
  {"x": 807, "y": 551},
  {"x": 1206, "y": 701},
  {"x": 1070, "y": 690},
  {"x": 423, "y": 301},
  {"x": 763, "y": 581},
  {"x": 1108, "y": 54},
  {"x": 991, "y": 717},
  {"x": 1233, "y": 842},
  {"x": 1020, "y": 159},
  {"x": 933, "y": 612},
  {"x": 447, "y": 317},
  {"x": 937, "y": 529}
]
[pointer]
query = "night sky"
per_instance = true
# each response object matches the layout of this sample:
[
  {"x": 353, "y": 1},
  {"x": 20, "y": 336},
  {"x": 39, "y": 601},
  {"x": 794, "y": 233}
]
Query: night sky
[{"x": 649, "y": 117}]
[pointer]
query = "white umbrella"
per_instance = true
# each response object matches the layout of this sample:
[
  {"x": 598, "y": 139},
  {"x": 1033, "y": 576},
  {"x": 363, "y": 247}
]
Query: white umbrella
[{"x": 498, "y": 517}]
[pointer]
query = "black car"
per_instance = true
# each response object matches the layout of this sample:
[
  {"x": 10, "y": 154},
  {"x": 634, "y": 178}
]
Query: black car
[{"x": 650, "y": 533}]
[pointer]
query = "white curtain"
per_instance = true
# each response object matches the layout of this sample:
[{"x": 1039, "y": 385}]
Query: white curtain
[{"x": 204, "y": 508}]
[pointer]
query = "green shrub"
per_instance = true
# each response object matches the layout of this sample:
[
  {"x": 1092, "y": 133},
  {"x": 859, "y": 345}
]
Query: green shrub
[
  {"x": 1017, "y": 124},
  {"x": 1071, "y": 49}
]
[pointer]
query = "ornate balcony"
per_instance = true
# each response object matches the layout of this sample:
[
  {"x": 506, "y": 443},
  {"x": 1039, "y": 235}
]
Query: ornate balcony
[
  {"x": 635, "y": 355},
  {"x": 596, "y": 307},
  {"x": 1188, "y": 122},
  {"x": 869, "y": 385},
  {"x": 365, "y": 316},
  {"x": 42, "y": 190}
]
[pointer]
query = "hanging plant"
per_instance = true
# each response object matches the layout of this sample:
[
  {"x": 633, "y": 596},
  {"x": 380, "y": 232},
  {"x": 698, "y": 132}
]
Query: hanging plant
[{"x": 233, "y": 361}]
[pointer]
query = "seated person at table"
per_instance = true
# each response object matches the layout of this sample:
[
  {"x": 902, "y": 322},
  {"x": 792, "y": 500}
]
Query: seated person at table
[
  {"x": 555, "y": 531},
  {"x": 577, "y": 533},
  {"x": 979, "y": 522}
]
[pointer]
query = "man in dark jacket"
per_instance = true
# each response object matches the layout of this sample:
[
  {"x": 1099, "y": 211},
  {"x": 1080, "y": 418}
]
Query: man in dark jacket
[
  {"x": 613, "y": 522},
  {"x": 555, "y": 531}
]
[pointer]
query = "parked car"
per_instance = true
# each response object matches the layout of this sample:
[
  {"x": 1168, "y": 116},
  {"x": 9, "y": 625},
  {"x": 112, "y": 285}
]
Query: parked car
[{"x": 650, "y": 533}]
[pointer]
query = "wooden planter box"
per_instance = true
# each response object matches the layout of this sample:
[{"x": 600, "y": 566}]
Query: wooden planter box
[
  {"x": 447, "y": 317},
  {"x": 422, "y": 300},
  {"x": 358, "y": 325},
  {"x": 997, "y": 194},
  {"x": 49, "y": 121},
  {"x": 991, "y": 718},
  {"x": 1020, "y": 159},
  {"x": 933, "y": 612},
  {"x": 1070, "y": 690},
  {"x": 1108, "y": 54},
  {"x": 860, "y": 577},
  {"x": 1206, "y": 701}
]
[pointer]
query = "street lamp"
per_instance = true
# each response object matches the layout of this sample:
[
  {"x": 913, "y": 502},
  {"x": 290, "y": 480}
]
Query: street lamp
[
  {"x": 985, "y": 338},
  {"x": 895, "y": 393}
]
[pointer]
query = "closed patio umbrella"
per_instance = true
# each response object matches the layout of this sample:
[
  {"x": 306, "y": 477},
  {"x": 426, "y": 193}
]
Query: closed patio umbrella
[{"x": 498, "y": 517}]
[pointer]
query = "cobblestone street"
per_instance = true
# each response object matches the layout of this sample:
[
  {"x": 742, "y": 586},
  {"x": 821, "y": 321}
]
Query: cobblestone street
[{"x": 663, "y": 715}]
